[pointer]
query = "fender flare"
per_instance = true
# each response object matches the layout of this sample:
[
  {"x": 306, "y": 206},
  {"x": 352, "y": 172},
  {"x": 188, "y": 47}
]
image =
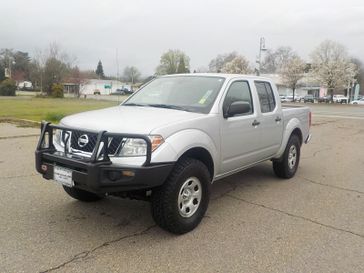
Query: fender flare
[
  {"x": 292, "y": 125},
  {"x": 185, "y": 140}
]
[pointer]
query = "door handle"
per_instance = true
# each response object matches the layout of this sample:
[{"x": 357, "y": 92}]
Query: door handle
[
  {"x": 255, "y": 123},
  {"x": 278, "y": 119}
]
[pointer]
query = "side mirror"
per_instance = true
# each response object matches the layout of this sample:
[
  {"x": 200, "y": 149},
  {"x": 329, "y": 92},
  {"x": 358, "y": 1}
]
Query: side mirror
[{"x": 237, "y": 108}]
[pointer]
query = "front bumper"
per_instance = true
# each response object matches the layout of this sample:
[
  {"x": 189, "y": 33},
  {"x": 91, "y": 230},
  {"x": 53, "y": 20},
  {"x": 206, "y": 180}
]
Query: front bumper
[{"x": 95, "y": 175}]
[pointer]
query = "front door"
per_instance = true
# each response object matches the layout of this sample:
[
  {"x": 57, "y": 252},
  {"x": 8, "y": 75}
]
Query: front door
[{"x": 240, "y": 139}]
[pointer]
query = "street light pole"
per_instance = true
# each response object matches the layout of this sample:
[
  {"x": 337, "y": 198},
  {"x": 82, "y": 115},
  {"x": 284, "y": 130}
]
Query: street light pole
[{"x": 261, "y": 49}]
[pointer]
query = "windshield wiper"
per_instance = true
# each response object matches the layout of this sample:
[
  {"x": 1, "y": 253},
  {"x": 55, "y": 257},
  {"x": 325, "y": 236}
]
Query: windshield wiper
[
  {"x": 168, "y": 106},
  {"x": 134, "y": 104}
]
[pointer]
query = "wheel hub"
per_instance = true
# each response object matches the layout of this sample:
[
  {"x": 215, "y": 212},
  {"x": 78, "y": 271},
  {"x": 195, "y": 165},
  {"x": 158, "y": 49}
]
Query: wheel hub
[
  {"x": 189, "y": 197},
  {"x": 292, "y": 157}
]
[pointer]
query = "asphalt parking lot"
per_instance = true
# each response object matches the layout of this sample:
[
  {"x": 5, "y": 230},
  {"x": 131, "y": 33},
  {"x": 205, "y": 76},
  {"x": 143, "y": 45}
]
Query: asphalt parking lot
[{"x": 255, "y": 222}]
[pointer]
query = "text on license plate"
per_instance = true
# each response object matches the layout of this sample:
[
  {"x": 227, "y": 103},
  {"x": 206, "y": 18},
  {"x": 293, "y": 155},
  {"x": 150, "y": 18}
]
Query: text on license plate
[{"x": 63, "y": 176}]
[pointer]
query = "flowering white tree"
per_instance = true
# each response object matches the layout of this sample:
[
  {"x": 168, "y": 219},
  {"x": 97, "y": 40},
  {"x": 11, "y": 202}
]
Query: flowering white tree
[
  {"x": 332, "y": 66},
  {"x": 218, "y": 63},
  {"x": 239, "y": 65},
  {"x": 292, "y": 71}
]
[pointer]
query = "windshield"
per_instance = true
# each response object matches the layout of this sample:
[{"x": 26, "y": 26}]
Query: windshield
[{"x": 187, "y": 93}]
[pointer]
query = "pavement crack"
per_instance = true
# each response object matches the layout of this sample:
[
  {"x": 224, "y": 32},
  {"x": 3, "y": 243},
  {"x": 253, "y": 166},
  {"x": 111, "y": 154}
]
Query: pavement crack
[
  {"x": 330, "y": 186},
  {"x": 296, "y": 216},
  {"x": 84, "y": 254},
  {"x": 317, "y": 152}
]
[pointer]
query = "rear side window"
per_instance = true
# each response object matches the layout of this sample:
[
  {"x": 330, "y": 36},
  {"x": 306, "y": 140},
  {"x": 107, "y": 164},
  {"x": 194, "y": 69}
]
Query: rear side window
[
  {"x": 238, "y": 91},
  {"x": 266, "y": 96}
]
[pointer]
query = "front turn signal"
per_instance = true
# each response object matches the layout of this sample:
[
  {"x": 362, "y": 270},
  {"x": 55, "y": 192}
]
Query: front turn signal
[{"x": 156, "y": 141}]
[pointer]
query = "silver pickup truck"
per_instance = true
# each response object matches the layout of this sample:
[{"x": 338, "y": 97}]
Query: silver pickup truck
[{"x": 171, "y": 140}]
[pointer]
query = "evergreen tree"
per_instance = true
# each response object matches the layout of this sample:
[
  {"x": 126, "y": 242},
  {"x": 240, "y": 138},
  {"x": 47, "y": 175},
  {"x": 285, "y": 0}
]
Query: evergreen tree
[
  {"x": 181, "y": 65},
  {"x": 171, "y": 63},
  {"x": 100, "y": 70}
]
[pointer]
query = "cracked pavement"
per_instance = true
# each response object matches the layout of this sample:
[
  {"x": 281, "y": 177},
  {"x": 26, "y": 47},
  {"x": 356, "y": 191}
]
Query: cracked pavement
[{"x": 255, "y": 222}]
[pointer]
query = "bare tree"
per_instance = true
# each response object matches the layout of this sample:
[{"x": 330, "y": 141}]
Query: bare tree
[
  {"x": 292, "y": 72},
  {"x": 239, "y": 65},
  {"x": 275, "y": 59},
  {"x": 37, "y": 68},
  {"x": 170, "y": 60},
  {"x": 131, "y": 74},
  {"x": 50, "y": 66},
  {"x": 332, "y": 66}
]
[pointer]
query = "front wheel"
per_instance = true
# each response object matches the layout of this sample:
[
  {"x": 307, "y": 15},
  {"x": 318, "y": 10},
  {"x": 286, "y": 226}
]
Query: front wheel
[
  {"x": 179, "y": 205},
  {"x": 287, "y": 165},
  {"x": 82, "y": 195}
]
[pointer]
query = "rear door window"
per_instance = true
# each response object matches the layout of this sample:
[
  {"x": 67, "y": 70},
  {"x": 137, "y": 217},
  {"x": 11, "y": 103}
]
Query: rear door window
[{"x": 266, "y": 96}]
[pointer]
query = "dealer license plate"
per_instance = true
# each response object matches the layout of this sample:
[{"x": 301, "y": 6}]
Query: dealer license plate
[{"x": 63, "y": 176}]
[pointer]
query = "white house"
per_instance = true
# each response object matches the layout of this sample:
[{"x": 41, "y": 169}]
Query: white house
[{"x": 99, "y": 87}]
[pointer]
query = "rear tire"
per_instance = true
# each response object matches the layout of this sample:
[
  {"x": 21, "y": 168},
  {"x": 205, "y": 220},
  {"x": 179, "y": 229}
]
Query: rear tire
[
  {"x": 287, "y": 165},
  {"x": 179, "y": 205},
  {"x": 82, "y": 195}
]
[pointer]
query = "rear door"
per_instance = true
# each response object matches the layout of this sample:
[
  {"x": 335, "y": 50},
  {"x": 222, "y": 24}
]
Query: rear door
[{"x": 271, "y": 119}]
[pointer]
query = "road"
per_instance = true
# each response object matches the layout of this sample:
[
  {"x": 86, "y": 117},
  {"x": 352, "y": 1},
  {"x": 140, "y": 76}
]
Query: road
[{"x": 255, "y": 222}]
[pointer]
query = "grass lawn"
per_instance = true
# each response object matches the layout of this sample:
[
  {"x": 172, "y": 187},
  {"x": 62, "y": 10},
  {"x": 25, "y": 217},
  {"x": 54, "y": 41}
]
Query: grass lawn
[{"x": 38, "y": 109}]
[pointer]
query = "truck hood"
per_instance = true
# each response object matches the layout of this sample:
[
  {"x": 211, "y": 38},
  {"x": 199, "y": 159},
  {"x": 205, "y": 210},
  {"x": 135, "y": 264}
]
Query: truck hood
[{"x": 127, "y": 119}]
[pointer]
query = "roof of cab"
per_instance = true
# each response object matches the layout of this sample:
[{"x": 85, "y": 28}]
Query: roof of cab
[{"x": 223, "y": 75}]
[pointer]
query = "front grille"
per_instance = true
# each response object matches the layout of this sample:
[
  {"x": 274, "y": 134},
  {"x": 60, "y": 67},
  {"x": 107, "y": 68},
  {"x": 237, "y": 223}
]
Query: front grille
[{"x": 85, "y": 142}]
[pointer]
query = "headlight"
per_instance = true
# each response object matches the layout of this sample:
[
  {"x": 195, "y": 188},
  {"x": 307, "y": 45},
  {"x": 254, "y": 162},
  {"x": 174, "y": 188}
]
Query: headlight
[
  {"x": 138, "y": 147},
  {"x": 58, "y": 138}
]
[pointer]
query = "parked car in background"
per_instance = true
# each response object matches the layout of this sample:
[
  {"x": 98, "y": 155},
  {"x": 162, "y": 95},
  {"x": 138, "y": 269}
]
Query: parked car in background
[
  {"x": 325, "y": 99},
  {"x": 289, "y": 98},
  {"x": 309, "y": 98},
  {"x": 340, "y": 99},
  {"x": 361, "y": 101},
  {"x": 124, "y": 91},
  {"x": 359, "y": 97},
  {"x": 298, "y": 98},
  {"x": 283, "y": 98}
]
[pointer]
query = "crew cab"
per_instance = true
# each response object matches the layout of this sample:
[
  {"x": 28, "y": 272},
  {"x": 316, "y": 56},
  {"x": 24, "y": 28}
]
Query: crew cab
[{"x": 173, "y": 138}]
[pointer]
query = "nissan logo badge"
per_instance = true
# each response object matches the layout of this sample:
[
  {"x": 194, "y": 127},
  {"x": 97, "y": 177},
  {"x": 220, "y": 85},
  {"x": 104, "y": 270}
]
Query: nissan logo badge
[{"x": 82, "y": 141}]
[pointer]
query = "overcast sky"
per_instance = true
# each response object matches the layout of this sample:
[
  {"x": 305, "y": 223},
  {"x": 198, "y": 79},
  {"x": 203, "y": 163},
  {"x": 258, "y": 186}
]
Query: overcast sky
[{"x": 141, "y": 30}]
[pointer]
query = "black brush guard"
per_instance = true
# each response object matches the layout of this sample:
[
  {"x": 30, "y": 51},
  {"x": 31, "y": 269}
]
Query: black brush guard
[{"x": 98, "y": 173}]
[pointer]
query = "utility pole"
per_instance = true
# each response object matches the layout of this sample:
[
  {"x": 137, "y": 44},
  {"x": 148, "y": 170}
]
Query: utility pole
[
  {"x": 117, "y": 65},
  {"x": 261, "y": 49}
]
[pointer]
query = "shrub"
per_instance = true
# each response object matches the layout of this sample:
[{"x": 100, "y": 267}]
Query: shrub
[
  {"x": 57, "y": 90},
  {"x": 7, "y": 88}
]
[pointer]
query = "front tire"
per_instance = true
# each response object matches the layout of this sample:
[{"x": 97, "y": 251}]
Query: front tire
[
  {"x": 179, "y": 205},
  {"x": 82, "y": 195},
  {"x": 287, "y": 165}
]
